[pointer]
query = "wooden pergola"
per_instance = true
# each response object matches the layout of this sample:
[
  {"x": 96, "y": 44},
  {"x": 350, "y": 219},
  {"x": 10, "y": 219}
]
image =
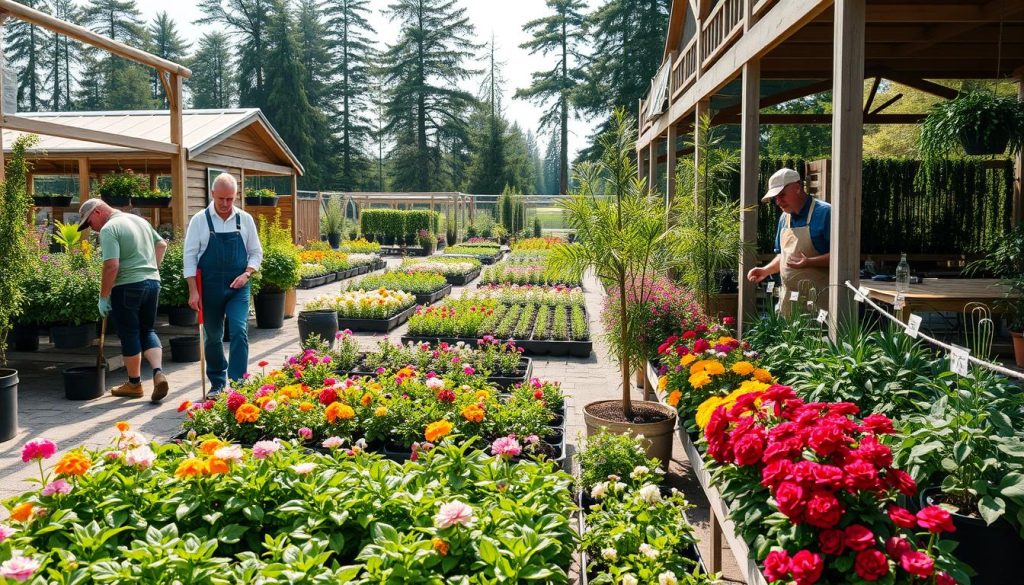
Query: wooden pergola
[
  {"x": 730, "y": 58},
  {"x": 171, "y": 76}
]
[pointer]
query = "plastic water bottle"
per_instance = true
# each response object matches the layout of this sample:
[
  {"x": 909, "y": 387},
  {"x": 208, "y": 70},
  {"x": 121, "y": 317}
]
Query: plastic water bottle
[{"x": 903, "y": 274}]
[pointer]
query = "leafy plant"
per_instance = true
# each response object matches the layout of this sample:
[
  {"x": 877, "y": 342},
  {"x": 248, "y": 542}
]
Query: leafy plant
[
  {"x": 982, "y": 112},
  {"x": 173, "y": 286},
  {"x": 152, "y": 194},
  {"x": 263, "y": 193},
  {"x": 1005, "y": 260},
  {"x": 280, "y": 268},
  {"x": 67, "y": 235},
  {"x": 605, "y": 454},
  {"x": 332, "y": 221},
  {"x": 363, "y": 304},
  {"x": 126, "y": 184},
  {"x": 15, "y": 253}
]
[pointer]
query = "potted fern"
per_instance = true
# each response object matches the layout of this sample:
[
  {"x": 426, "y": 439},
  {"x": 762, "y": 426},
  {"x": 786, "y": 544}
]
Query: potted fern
[{"x": 976, "y": 122}]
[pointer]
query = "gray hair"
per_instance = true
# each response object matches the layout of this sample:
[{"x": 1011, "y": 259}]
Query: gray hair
[{"x": 225, "y": 180}]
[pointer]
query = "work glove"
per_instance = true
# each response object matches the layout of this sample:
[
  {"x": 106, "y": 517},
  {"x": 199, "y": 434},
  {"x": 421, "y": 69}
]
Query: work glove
[{"x": 104, "y": 306}]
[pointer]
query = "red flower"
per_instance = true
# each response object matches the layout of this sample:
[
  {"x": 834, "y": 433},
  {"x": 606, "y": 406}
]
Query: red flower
[
  {"x": 902, "y": 517},
  {"x": 775, "y": 472},
  {"x": 873, "y": 451},
  {"x": 327, "y": 396},
  {"x": 878, "y": 424},
  {"x": 701, "y": 328},
  {"x": 667, "y": 344},
  {"x": 717, "y": 425},
  {"x": 823, "y": 510},
  {"x": 700, "y": 345},
  {"x": 446, "y": 395},
  {"x": 776, "y": 566},
  {"x": 806, "y": 567},
  {"x": 943, "y": 578},
  {"x": 538, "y": 394},
  {"x": 935, "y": 519},
  {"x": 689, "y": 335},
  {"x": 826, "y": 438},
  {"x": 917, "y": 563},
  {"x": 871, "y": 565},
  {"x": 901, "y": 480},
  {"x": 897, "y": 546},
  {"x": 262, "y": 363},
  {"x": 859, "y": 537},
  {"x": 804, "y": 472},
  {"x": 790, "y": 498},
  {"x": 728, "y": 320},
  {"x": 235, "y": 400},
  {"x": 749, "y": 448},
  {"x": 861, "y": 475},
  {"x": 828, "y": 476},
  {"x": 832, "y": 542}
]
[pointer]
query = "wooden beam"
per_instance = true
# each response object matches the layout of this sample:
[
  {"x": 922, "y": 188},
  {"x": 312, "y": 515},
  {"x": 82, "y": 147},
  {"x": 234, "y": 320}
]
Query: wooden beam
[
  {"x": 871, "y": 96},
  {"x": 994, "y": 10},
  {"x": 671, "y": 143},
  {"x": 799, "y": 119},
  {"x": 79, "y": 33},
  {"x": 917, "y": 13},
  {"x": 779, "y": 98},
  {"x": 847, "y": 158},
  {"x": 65, "y": 131},
  {"x": 1018, "y": 165},
  {"x": 652, "y": 161},
  {"x": 887, "y": 103},
  {"x": 252, "y": 165},
  {"x": 84, "y": 188},
  {"x": 986, "y": 49},
  {"x": 923, "y": 85},
  {"x": 295, "y": 211},
  {"x": 179, "y": 158},
  {"x": 750, "y": 136}
]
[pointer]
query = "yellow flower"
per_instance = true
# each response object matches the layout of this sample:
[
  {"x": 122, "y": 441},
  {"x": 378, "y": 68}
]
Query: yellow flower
[
  {"x": 687, "y": 359},
  {"x": 706, "y": 409},
  {"x": 699, "y": 366},
  {"x": 366, "y": 399},
  {"x": 743, "y": 368},
  {"x": 662, "y": 383},
  {"x": 763, "y": 375},
  {"x": 305, "y": 406},
  {"x": 482, "y": 395},
  {"x": 700, "y": 379},
  {"x": 292, "y": 390},
  {"x": 189, "y": 467},
  {"x": 714, "y": 368},
  {"x": 474, "y": 413},
  {"x": 339, "y": 410},
  {"x": 752, "y": 386},
  {"x": 724, "y": 340},
  {"x": 673, "y": 398},
  {"x": 380, "y": 411},
  {"x": 437, "y": 430}
]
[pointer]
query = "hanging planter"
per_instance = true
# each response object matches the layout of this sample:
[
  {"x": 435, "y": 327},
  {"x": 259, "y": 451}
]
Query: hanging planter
[
  {"x": 117, "y": 189},
  {"x": 152, "y": 199},
  {"x": 976, "y": 122},
  {"x": 260, "y": 198}
]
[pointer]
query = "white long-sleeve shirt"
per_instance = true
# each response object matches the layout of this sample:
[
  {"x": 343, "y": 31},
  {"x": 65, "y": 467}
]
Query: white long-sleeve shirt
[{"x": 197, "y": 236}]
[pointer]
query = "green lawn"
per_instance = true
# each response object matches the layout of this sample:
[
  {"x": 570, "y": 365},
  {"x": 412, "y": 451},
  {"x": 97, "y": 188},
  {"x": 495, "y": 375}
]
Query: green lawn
[{"x": 550, "y": 218}]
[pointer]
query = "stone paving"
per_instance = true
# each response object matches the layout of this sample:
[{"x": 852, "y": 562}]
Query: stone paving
[{"x": 44, "y": 412}]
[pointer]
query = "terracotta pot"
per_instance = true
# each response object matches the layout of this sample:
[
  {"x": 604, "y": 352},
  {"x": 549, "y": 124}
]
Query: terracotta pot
[
  {"x": 1018, "y": 348},
  {"x": 659, "y": 435},
  {"x": 289, "y": 303}
]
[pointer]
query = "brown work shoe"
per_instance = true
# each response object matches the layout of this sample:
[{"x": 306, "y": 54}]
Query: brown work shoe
[
  {"x": 159, "y": 387},
  {"x": 128, "y": 390}
]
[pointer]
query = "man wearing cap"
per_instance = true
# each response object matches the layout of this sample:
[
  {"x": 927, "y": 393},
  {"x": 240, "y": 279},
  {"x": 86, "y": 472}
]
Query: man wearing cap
[
  {"x": 130, "y": 290},
  {"x": 802, "y": 240},
  {"x": 223, "y": 244}
]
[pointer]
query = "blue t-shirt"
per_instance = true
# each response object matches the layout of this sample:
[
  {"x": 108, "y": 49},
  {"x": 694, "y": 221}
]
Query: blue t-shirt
[{"x": 821, "y": 225}]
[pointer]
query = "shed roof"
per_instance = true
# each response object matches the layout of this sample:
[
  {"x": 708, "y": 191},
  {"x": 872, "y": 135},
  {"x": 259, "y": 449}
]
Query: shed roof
[{"x": 201, "y": 130}]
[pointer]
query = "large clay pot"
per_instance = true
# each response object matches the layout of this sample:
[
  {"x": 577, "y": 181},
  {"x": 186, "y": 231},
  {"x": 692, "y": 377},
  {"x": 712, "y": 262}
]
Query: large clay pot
[
  {"x": 659, "y": 435},
  {"x": 1018, "y": 348},
  {"x": 321, "y": 323},
  {"x": 8, "y": 404}
]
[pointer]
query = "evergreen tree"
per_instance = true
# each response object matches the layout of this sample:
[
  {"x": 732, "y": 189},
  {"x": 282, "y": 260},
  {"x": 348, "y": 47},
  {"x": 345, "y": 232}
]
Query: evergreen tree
[
  {"x": 562, "y": 33},
  {"x": 249, "y": 21},
  {"x": 166, "y": 43},
  {"x": 212, "y": 84},
  {"x": 536, "y": 164},
  {"x": 423, "y": 70},
  {"x": 488, "y": 173},
  {"x": 61, "y": 58},
  {"x": 552, "y": 166},
  {"x": 26, "y": 51},
  {"x": 124, "y": 85},
  {"x": 91, "y": 95},
  {"x": 351, "y": 50},
  {"x": 624, "y": 60},
  {"x": 313, "y": 53}
]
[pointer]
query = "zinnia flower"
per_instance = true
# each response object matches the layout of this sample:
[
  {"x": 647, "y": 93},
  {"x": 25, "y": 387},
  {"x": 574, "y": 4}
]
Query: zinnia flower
[
  {"x": 247, "y": 413},
  {"x": 453, "y": 513},
  {"x": 229, "y": 453},
  {"x": 38, "y": 449},
  {"x": 437, "y": 430},
  {"x": 190, "y": 467},
  {"x": 57, "y": 487},
  {"x": 18, "y": 568},
  {"x": 142, "y": 457},
  {"x": 304, "y": 468},
  {"x": 333, "y": 442},
  {"x": 23, "y": 512},
  {"x": 73, "y": 463},
  {"x": 506, "y": 447},
  {"x": 650, "y": 494},
  {"x": 440, "y": 546},
  {"x": 305, "y": 433},
  {"x": 264, "y": 449},
  {"x": 473, "y": 413},
  {"x": 667, "y": 578},
  {"x": 339, "y": 410},
  {"x": 6, "y": 532}
]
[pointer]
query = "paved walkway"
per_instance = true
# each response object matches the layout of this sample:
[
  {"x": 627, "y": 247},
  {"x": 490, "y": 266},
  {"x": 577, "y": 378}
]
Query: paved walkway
[{"x": 43, "y": 411}]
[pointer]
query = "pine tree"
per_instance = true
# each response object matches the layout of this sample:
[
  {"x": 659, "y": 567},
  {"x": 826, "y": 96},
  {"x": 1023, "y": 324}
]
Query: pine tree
[
  {"x": 166, "y": 43},
  {"x": 562, "y": 33},
  {"x": 91, "y": 94},
  {"x": 423, "y": 70},
  {"x": 537, "y": 165},
  {"x": 61, "y": 58},
  {"x": 124, "y": 84},
  {"x": 624, "y": 60},
  {"x": 249, "y": 21},
  {"x": 313, "y": 52},
  {"x": 351, "y": 50},
  {"x": 26, "y": 46},
  {"x": 212, "y": 84},
  {"x": 552, "y": 166},
  {"x": 487, "y": 174},
  {"x": 518, "y": 169}
]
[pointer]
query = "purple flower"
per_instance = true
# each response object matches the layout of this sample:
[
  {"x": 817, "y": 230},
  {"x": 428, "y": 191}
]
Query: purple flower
[
  {"x": 380, "y": 371},
  {"x": 325, "y": 360},
  {"x": 57, "y": 487}
]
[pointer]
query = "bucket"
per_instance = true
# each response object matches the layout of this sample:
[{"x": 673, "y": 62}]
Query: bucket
[
  {"x": 185, "y": 349},
  {"x": 72, "y": 336},
  {"x": 8, "y": 404},
  {"x": 84, "y": 382},
  {"x": 321, "y": 323},
  {"x": 182, "y": 317},
  {"x": 269, "y": 310}
]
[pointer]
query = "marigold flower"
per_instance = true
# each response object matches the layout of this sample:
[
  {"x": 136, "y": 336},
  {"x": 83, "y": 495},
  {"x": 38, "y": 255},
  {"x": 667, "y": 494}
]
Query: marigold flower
[
  {"x": 247, "y": 413},
  {"x": 73, "y": 463},
  {"x": 338, "y": 410},
  {"x": 366, "y": 399},
  {"x": 185, "y": 406},
  {"x": 440, "y": 546},
  {"x": 210, "y": 446},
  {"x": 23, "y": 512},
  {"x": 699, "y": 379},
  {"x": 190, "y": 467},
  {"x": 122, "y": 426},
  {"x": 743, "y": 368},
  {"x": 437, "y": 430},
  {"x": 687, "y": 359},
  {"x": 216, "y": 465},
  {"x": 706, "y": 409},
  {"x": 673, "y": 398},
  {"x": 305, "y": 406},
  {"x": 762, "y": 375},
  {"x": 662, "y": 383},
  {"x": 380, "y": 411},
  {"x": 474, "y": 413},
  {"x": 482, "y": 395}
]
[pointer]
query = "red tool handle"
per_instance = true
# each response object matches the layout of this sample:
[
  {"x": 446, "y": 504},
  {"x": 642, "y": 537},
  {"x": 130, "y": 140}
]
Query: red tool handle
[{"x": 199, "y": 287}]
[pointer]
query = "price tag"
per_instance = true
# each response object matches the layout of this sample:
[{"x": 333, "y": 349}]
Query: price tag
[
  {"x": 861, "y": 294},
  {"x": 794, "y": 296},
  {"x": 958, "y": 360},
  {"x": 822, "y": 316},
  {"x": 913, "y": 325},
  {"x": 810, "y": 306},
  {"x": 771, "y": 287},
  {"x": 899, "y": 302}
]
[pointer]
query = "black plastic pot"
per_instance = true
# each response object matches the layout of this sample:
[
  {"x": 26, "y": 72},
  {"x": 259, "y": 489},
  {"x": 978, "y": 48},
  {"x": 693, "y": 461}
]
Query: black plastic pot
[
  {"x": 72, "y": 336},
  {"x": 25, "y": 338},
  {"x": 269, "y": 310},
  {"x": 334, "y": 240},
  {"x": 8, "y": 404},
  {"x": 182, "y": 316},
  {"x": 84, "y": 382},
  {"x": 151, "y": 202},
  {"x": 116, "y": 200},
  {"x": 185, "y": 349},
  {"x": 261, "y": 201},
  {"x": 321, "y": 323},
  {"x": 978, "y": 143}
]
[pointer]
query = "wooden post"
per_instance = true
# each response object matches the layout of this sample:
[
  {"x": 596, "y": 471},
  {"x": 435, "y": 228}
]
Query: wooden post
[
  {"x": 3, "y": 61},
  {"x": 179, "y": 165},
  {"x": 702, "y": 107},
  {"x": 1018, "y": 165},
  {"x": 670, "y": 163},
  {"x": 295, "y": 211},
  {"x": 642, "y": 167},
  {"x": 847, "y": 157},
  {"x": 749, "y": 197},
  {"x": 652, "y": 170},
  {"x": 84, "y": 189}
]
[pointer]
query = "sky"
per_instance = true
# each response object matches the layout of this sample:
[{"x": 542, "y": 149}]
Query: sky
[{"x": 503, "y": 19}]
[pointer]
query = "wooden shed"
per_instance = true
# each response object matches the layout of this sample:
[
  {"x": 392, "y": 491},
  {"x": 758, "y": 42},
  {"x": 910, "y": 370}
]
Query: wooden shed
[{"x": 239, "y": 141}]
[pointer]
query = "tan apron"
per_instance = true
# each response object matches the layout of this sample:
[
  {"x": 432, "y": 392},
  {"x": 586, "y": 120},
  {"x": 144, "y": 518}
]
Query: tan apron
[{"x": 795, "y": 240}]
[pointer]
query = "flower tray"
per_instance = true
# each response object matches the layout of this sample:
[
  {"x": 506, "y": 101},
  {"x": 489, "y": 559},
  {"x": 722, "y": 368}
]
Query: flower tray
[
  {"x": 433, "y": 297},
  {"x": 531, "y": 347},
  {"x": 523, "y": 373},
  {"x": 330, "y": 277},
  {"x": 151, "y": 202},
  {"x": 312, "y": 282},
  {"x": 377, "y": 325},
  {"x": 462, "y": 279},
  {"x": 483, "y": 259}
]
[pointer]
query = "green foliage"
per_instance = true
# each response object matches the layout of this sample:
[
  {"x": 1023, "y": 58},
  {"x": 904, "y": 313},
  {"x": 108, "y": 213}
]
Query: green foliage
[
  {"x": 604, "y": 454},
  {"x": 152, "y": 194},
  {"x": 61, "y": 289},
  {"x": 15, "y": 254},
  {"x": 67, "y": 235},
  {"x": 415, "y": 282},
  {"x": 383, "y": 223},
  {"x": 977, "y": 111},
  {"x": 280, "y": 268},
  {"x": 538, "y": 231},
  {"x": 126, "y": 184},
  {"x": 213, "y": 80},
  {"x": 332, "y": 220},
  {"x": 173, "y": 286}
]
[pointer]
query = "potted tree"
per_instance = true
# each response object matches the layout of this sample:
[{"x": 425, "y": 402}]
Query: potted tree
[
  {"x": 332, "y": 222},
  {"x": 621, "y": 226},
  {"x": 15, "y": 256},
  {"x": 976, "y": 122},
  {"x": 117, "y": 189},
  {"x": 278, "y": 273}
]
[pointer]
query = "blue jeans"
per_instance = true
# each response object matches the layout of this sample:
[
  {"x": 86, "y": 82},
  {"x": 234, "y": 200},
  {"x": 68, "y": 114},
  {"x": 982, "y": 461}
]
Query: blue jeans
[
  {"x": 236, "y": 308},
  {"x": 133, "y": 310}
]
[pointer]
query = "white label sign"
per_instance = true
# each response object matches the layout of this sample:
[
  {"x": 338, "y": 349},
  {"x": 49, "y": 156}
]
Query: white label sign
[
  {"x": 810, "y": 306},
  {"x": 913, "y": 325},
  {"x": 899, "y": 302},
  {"x": 771, "y": 287},
  {"x": 958, "y": 360},
  {"x": 794, "y": 296},
  {"x": 822, "y": 316},
  {"x": 861, "y": 294}
]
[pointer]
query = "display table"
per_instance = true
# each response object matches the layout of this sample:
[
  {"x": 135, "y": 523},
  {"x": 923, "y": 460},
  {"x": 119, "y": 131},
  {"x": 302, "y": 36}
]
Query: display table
[{"x": 940, "y": 294}]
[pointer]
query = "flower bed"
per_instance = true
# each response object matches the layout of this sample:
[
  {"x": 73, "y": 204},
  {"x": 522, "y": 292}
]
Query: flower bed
[
  {"x": 375, "y": 310},
  {"x": 486, "y": 253},
  {"x": 428, "y": 287},
  {"x": 526, "y": 272},
  {"x": 321, "y": 267},
  {"x": 211, "y": 512},
  {"x": 457, "y": 271}
]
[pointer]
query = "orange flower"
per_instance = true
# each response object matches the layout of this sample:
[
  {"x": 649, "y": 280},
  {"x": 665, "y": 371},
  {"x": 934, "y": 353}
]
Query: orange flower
[
  {"x": 673, "y": 398},
  {"x": 73, "y": 463},
  {"x": 440, "y": 546},
  {"x": 23, "y": 512},
  {"x": 482, "y": 395},
  {"x": 699, "y": 379},
  {"x": 122, "y": 426},
  {"x": 305, "y": 406},
  {"x": 210, "y": 445},
  {"x": 338, "y": 410},
  {"x": 762, "y": 375},
  {"x": 381, "y": 411},
  {"x": 743, "y": 368},
  {"x": 437, "y": 430},
  {"x": 247, "y": 413},
  {"x": 215, "y": 466},
  {"x": 474, "y": 413},
  {"x": 189, "y": 467},
  {"x": 366, "y": 399}
]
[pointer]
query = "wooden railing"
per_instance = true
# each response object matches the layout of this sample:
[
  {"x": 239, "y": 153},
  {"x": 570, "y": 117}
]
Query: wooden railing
[
  {"x": 684, "y": 70},
  {"x": 719, "y": 28}
]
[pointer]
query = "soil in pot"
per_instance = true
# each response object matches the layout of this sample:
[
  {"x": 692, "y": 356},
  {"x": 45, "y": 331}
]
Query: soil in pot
[
  {"x": 185, "y": 349},
  {"x": 84, "y": 382},
  {"x": 8, "y": 404},
  {"x": 643, "y": 412}
]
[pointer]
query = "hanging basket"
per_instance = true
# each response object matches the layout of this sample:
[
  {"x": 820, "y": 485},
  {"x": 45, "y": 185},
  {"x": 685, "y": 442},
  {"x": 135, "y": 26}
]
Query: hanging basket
[{"x": 981, "y": 143}]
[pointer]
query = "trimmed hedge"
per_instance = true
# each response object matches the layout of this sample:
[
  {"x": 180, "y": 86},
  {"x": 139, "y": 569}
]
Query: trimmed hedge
[{"x": 397, "y": 223}]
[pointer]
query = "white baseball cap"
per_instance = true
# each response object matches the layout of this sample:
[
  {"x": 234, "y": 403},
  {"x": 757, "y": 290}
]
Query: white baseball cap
[
  {"x": 86, "y": 210},
  {"x": 778, "y": 182}
]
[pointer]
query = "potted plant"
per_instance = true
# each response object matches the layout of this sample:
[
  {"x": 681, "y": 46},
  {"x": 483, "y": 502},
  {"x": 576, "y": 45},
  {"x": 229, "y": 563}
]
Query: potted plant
[
  {"x": 173, "y": 287},
  {"x": 427, "y": 241},
  {"x": 332, "y": 222},
  {"x": 117, "y": 189},
  {"x": 151, "y": 199},
  {"x": 260, "y": 197},
  {"x": 621, "y": 226},
  {"x": 1004, "y": 259},
  {"x": 278, "y": 273},
  {"x": 975, "y": 122},
  {"x": 51, "y": 200}
]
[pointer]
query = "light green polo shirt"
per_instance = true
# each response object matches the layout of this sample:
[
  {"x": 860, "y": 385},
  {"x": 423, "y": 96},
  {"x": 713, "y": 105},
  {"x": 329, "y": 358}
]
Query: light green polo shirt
[{"x": 131, "y": 241}]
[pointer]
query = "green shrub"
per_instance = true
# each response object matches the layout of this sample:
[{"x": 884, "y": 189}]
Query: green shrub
[{"x": 173, "y": 287}]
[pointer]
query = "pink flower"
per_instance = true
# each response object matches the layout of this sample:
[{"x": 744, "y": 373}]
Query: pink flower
[
  {"x": 6, "y": 532},
  {"x": 333, "y": 442},
  {"x": 506, "y": 447},
  {"x": 18, "y": 568},
  {"x": 468, "y": 370},
  {"x": 270, "y": 406},
  {"x": 57, "y": 487},
  {"x": 435, "y": 383},
  {"x": 264, "y": 449},
  {"x": 305, "y": 433},
  {"x": 330, "y": 381},
  {"x": 229, "y": 453},
  {"x": 142, "y": 457},
  {"x": 454, "y": 513},
  {"x": 38, "y": 449},
  {"x": 304, "y": 468}
]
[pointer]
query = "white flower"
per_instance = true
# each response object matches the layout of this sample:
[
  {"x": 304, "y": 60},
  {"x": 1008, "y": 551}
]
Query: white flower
[
  {"x": 361, "y": 443},
  {"x": 142, "y": 457},
  {"x": 304, "y": 468},
  {"x": 648, "y": 551},
  {"x": 435, "y": 383},
  {"x": 333, "y": 442},
  {"x": 639, "y": 471},
  {"x": 667, "y": 578},
  {"x": 629, "y": 580},
  {"x": 609, "y": 554},
  {"x": 618, "y": 486},
  {"x": 650, "y": 494},
  {"x": 130, "y": 440},
  {"x": 229, "y": 453},
  {"x": 597, "y": 492},
  {"x": 453, "y": 513}
]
